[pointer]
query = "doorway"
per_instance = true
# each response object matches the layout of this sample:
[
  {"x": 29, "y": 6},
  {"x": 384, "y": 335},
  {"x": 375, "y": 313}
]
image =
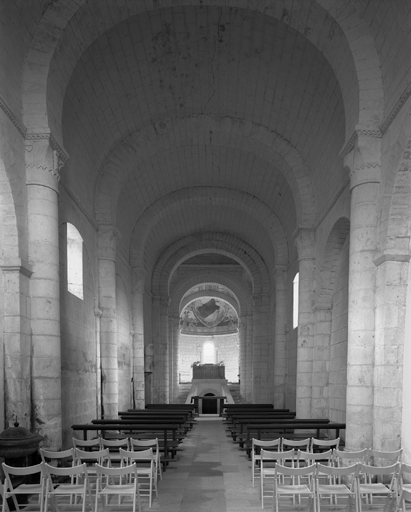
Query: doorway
[{"x": 209, "y": 406}]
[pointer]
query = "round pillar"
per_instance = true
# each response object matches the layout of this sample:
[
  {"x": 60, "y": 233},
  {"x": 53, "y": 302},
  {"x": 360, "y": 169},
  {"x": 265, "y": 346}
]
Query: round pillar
[
  {"x": 365, "y": 178},
  {"x": 42, "y": 190},
  {"x": 138, "y": 338},
  {"x": 108, "y": 322},
  {"x": 280, "y": 341},
  {"x": 305, "y": 242}
]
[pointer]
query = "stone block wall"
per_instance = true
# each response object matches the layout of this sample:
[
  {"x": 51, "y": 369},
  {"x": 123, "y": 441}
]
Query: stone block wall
[
  {"x": 226, "y": 348},
  {"x": 339, "y": 334},
  {"x": 78, "y": 348},
  {"x": 124, "y": 346}
]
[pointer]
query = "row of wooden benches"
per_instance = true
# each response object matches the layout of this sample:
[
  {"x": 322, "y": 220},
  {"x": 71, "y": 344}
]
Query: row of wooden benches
[
  {"x": 167, "y": 422},
  {"x": 262, "y": 421}
]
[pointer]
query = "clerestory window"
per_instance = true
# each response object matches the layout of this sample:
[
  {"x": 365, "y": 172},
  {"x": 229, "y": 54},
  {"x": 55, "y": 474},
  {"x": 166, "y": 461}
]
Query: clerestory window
[
  {"x": 74, "y": 261},
  {"x": 295, "y": 299}
]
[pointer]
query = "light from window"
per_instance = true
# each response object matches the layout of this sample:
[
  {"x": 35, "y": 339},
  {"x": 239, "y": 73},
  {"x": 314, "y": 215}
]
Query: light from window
[
  {"x": 74, "y": 261},
  {"x": 295, "y": 299},
  {"x": 209, "y": 352}
]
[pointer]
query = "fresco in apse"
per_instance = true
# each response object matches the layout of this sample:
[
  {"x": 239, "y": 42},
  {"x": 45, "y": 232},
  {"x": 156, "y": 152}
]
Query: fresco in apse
[{"x": 208, "y": 315}]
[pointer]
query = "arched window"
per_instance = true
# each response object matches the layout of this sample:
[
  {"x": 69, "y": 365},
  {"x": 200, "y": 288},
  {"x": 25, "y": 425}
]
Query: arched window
[
  {"x": 209, "y": 353},
  {"x": 74, "y": 261},
  {"x": 295, "y": 299}
]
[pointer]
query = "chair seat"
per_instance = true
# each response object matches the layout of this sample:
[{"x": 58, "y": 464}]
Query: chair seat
[
  {"x": 339, "y": 489},
  {"x": 294, "y": 489},
  {"x": 375, "y": 488}
]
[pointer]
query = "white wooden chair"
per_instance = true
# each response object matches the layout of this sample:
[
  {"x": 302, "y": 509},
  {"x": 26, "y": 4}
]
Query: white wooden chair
[
  {"x": 288, "y": 483},
  {"x": 379, "y": 481},
  {"x": 77, "y": 487},
  {"x": 28, "y": 489},
  {"x": 142, "y": 444},
  {"x": 269, "y": 460},
  {"x": 256, "y": 446},
  {"x": 337, "y": 482},
  {"x": 120, "y": 482},
  {"x": 145, "y": 462}
]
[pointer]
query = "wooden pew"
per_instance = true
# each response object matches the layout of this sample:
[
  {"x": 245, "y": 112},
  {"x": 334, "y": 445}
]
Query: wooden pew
[
  {"x": 165, "y": 407},
  {"x": 183, "y": 427},
  {"x": 158, "y": 414},
  {"x": 287, "y": 429},
  {"x": 236, "y": 426},
  {"x": 166, "y": 432}
]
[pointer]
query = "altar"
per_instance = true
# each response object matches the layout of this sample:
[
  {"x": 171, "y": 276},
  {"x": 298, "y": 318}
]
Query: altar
[{"x": 208, "y": 371}]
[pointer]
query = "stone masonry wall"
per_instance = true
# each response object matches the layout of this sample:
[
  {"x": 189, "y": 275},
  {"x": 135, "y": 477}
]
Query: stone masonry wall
[
  {"x": 339, "y": 333},
  {"x": 78, "y": 348},
  {"x": 227, "y": 351},
  {"x": 124, "y": 348}
]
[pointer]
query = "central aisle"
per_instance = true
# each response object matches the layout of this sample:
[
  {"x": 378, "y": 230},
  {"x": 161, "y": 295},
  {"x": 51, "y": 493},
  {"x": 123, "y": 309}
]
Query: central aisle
[{"x": 211, "y": 475}]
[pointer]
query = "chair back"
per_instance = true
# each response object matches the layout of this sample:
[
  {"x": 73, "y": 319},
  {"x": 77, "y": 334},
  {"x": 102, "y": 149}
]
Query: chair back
[
  {"x": 115, "y": 443},
  {"x": 131, "y": 456},
  {"x": 10, "y": 471},
  {"x": 384, "y": 458},
  {"x": 302, "y": 444},
  {"x": 103, "y": 471},
  {"x": 101, "y": 457},
  {"x": 257, "y": 444},
  {"x": 73, "y": 471},
  {"x": 324, "y": 444},
  {"x": 344, "y": 458},
  {"x": 405, "y": 495},
  {"x": 323, "y": 469},
  {"x": 308, "y": 471},
  {"x": 366, "y": 469},
  {"x": 48, "y": 455},
  {"x": 87, "y": 443},
  {"x": 143, "y": 443},
  {"x": 310, "y": 458}
]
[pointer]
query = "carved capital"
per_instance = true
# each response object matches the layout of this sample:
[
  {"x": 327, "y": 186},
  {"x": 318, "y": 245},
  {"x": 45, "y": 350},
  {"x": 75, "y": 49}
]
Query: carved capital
[
  {"x": 42, "y": 164},
  {"x": 98, "y": 312},
  {"x": 139, "y": 279},
  {"x": 304, "y": 239},
  {"x": 366, "y": 165},
  {"x": 280, "y": 276},
  {"x": 107, "y": 242},
  {"x": 164, "y": 304}
]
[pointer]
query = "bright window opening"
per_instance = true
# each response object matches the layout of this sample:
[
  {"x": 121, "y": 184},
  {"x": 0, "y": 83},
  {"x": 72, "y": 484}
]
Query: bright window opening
[
  {"x": 295, "y": 299},
  {"x": 74, "y": 261},
  {"x": 209, "y": 352}
]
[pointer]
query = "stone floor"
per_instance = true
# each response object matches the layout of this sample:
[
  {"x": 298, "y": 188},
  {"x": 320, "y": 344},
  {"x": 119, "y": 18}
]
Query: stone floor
[{"x": 211, "y": 475}]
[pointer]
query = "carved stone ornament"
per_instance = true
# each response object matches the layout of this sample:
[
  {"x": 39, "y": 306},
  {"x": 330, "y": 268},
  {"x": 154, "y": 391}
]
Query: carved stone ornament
[
  {"x": 304, "y": 239},
  {"x": 138, "y": 280},
  {"x": 107, "y": 242},
  {"x": 42, "y": 163}
]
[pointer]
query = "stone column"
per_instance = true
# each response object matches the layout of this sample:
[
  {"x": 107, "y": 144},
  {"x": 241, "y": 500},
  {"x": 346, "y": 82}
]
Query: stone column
[
  {"x": 249, "y": 357},
  {"x": 42, "y": 176},
  {"x": 97, "y": 314},
  {"x": 174, "y": 356},
  {"x": 257, "y": 365},
  {"x": 161, "y": 350},
  {"x": 321, "y": 364},
  {"x": 108, "y": 323},
  {"x": 391, "y": 293},
  {"x": 305, "y": 241},
  {"x": 138, "y": 337},
  {"x": 242, "y": 335},
  {"x": 365, "y": 178},
  {"x": 280, "y": 338},
  {"x": 17, "y": 343}
]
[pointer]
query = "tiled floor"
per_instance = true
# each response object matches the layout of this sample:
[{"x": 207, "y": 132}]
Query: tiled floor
[{"x": 211, "y": 475}]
